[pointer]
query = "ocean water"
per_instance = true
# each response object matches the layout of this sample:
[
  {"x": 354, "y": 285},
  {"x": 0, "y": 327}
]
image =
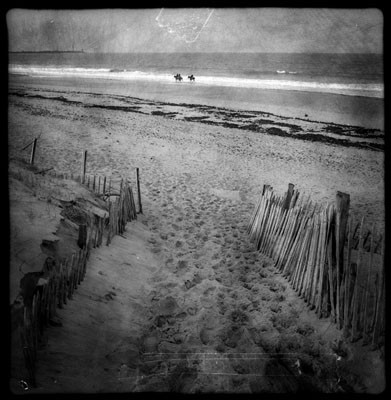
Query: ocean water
[{"x": 346, "y": 74}]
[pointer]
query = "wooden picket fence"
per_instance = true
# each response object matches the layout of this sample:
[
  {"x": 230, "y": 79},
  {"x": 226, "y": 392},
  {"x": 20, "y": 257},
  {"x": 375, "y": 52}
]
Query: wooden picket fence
[
  {"x": 62, "y": 281},
  {"x": 121, "y": 210},
  {"x": 33, "y": 145},
  {"x": 64, "y": 278},
  {"x": 316, "y": 248}
]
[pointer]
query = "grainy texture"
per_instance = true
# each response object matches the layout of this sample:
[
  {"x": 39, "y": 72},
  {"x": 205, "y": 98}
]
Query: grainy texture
[{"x": 194, "y": 284}]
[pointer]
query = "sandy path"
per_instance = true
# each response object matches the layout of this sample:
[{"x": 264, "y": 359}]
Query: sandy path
[
  {"x": 97, "y": 345},
  {"x": 212, "y": 292}
]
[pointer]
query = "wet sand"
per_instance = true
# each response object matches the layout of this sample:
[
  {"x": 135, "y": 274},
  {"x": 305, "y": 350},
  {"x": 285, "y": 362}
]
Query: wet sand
[{"x": 327, "y": 107}]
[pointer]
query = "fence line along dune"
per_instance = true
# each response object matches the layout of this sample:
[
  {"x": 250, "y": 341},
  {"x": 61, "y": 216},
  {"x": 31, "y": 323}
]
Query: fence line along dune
[
  {"x": 62, "y": 278},
  {"x": 325, "y": 259}
]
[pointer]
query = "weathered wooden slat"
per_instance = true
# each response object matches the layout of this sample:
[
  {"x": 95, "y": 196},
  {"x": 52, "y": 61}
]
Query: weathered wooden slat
[
  {"x": 281, "y": 233},
  {"x": 320, "y": 265},
  {"x": 84, "y": 166},
  {"x": 258, "y": 220},
  {"x": 356, "y": 294},
  {"x": 253, "y": 215},
  {"x": 312, "y": 260},
  {"x": 367, "y": 285},
  {"x": 337, "y": 249},
  {"x": 348, "y": 279},
  {"x": 271, "y": 238},
  {"x": 295, "y": 246},
  {"x": 304, "y": 262},
  {"x": 288, "y": 196},
  {"x": 288, "y": 237},
  {"x": 268, "y": 225},
  {"x": 261, "y": 226}
]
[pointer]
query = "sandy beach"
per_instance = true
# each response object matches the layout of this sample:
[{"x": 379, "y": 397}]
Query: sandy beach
[
  {"x": 237, "y": 151},
  {"x": 203, "y": 288}
]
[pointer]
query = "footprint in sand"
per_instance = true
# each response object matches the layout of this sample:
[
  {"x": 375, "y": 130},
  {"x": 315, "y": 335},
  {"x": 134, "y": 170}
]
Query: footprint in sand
[
  {"x": 181, "y": 316},
  {"x": 149, "y": 343},
  {"x": 232, "y": 267},
  {"x": 169, "y": 261},
  {"x": 206, "y": 335},
  {"x": 266, "y": 296},
  {"x": 182, "y": 264},
  {"x": 207, "y": 302},
  {"x": 189, "y": 284},
  {"x": 192, "y": 310},
  {"x": 209, "y": 290},
  {"x": 156, "y": 249}
]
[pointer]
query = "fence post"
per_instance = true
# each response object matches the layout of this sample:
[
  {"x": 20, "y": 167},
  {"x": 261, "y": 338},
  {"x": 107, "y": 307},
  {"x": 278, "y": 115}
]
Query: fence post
[
  {"x": 288, "y": 197},
  {"x": 138, "y": 191},
  {"x": 84, "y": 165},
  {"x": 33, "y": 151},
  {"x": 81, "y": 242},
  {"x": 380, "y": 303},
  {"x": 342, "y": 213},
  {"x": 265, "y": 188},
  {"x": 342, "y": 206}
]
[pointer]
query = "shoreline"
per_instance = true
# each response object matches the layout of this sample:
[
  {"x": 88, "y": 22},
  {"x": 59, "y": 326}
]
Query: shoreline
[{"x": 366, "y": 112}]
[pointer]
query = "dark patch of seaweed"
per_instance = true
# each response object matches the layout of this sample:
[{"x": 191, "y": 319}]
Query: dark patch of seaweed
[
  {"x": 39, "y": 96},
  {"x": 165, "y": 114},
  {"x": 252, "y": 127},
  {"x": 195, "y": 119},
  {"x": 312, "y": 137},
  {"x": 116, "y": 108},
  {"x": 352, "y": 131}
]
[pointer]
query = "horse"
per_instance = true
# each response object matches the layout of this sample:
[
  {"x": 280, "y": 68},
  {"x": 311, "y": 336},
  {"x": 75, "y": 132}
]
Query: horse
[
  {"x": 178, "y": 77},
  {"x": 191, "y": 77}
]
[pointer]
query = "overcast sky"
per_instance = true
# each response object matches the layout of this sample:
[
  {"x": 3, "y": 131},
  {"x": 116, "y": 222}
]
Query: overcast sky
[{"x": 193, "y": 30}]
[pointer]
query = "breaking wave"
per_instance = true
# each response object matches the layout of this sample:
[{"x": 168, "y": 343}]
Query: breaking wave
[{"x": 352, "y": 89}]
